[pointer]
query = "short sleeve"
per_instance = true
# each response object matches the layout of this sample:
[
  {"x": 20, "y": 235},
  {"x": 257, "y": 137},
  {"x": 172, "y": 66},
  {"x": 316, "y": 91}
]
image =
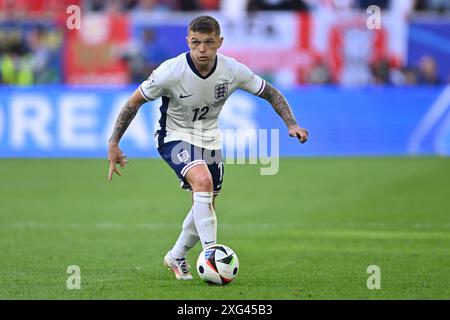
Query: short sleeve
[
  {"x": 154, "y": 86},
  {"x": 249, "y": 81}
]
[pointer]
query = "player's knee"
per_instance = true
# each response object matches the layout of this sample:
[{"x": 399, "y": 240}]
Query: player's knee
[{"x": 203, "y": 183}]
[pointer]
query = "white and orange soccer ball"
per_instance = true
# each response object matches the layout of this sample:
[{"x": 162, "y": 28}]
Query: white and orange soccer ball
[{"x": 217, "y": 264}]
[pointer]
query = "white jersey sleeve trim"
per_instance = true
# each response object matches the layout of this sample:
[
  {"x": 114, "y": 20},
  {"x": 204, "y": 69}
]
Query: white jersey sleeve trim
[
  {"x": 143, "y": 94},
  {"x": 263, "y": 85}
]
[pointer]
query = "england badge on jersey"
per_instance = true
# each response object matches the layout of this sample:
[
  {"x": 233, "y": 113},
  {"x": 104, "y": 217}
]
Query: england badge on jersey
[
  {"x": 150, "y": 80},
  {"x": 221, "y": 91}
]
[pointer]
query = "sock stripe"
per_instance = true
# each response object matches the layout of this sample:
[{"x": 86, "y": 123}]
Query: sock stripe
[{"x": 203, "y": 197}]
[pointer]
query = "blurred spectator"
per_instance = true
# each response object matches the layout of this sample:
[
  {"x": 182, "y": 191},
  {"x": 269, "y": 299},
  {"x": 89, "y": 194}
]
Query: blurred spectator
[
  {"x": 153, "y": 50},
  {"x": 146, "y": 6},
  {"x": 381, "y": 72},
  {"x": 94, "y": 5},
  {"x": 320, "y": 73},
  {"x": 402, "y": 77},
  {"x": 15, "y": 67},
  {"x": 439, "y": 5},
  {"x": 410, "y": 76},
  {"x": 383, "y": 4},
  {"x": 143, "y": 57},
  {"x": 428, "y": 71},
  {"x": 234, "y": 9},
  {"x": 41, "y": 57},
  {"x": 402, "y": 8},
  {"x": 433, "y": 5},
  {"x": 189, "y": 5},
  {"x": 209, "y": 5},
  {"x": 130, "y": 4},
  {"x": 298, "y": 5},
  {"x": 114, "y": 6},
  {"x": 331, "y": 5}
]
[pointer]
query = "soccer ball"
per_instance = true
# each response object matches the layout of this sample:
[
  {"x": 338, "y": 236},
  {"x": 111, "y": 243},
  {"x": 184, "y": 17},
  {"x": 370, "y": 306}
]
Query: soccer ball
[{"x": 217, "y": 264}]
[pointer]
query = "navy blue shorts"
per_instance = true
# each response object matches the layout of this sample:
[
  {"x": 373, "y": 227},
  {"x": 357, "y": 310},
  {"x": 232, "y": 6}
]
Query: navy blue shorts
[{"x": 182, "y": 156}]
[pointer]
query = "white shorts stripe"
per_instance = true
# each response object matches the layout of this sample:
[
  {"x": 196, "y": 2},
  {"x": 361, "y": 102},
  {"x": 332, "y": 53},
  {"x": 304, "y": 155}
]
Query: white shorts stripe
[{"x": 190, "y": 165}]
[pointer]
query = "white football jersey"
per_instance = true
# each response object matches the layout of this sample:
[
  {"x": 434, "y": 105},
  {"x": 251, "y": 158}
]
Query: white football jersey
[{"x": 191, "y": 103}]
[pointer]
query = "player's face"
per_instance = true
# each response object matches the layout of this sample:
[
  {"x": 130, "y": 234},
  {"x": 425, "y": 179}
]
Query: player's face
[{"x": 203, "y": 47}]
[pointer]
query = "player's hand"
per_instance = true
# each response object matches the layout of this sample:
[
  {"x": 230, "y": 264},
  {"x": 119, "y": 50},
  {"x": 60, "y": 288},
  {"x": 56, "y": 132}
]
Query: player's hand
[
  {"x": 301, "y": 133},
  {"x": 115, "y": 156}
]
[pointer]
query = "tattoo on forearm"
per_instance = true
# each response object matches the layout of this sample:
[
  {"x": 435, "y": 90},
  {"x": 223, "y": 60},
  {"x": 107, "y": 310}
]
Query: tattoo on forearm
[
  {"x": 124, "y": 119},
  {"x": 279, "y": 103}
]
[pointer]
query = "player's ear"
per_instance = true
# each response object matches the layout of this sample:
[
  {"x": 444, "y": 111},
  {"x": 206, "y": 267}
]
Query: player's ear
[{"x": 220, "y": 42}]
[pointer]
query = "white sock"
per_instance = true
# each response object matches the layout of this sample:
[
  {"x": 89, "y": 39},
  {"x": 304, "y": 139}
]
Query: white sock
[
  {"x": 205, "y": 218},
  {"x": 187, "y": 239}
]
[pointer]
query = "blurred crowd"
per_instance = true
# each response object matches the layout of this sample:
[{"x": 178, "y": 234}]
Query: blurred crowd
[
  {"x": 252, "y": 5},
  {"x": 32, "y": 57},
  {"x": 382, "y": 73},
  {"x": 14, "y": 8},
  {"x": 426, "y": 73}
]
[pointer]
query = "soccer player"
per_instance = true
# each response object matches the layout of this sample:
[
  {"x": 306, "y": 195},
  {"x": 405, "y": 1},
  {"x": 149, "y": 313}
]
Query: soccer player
[{"x": 194, "y": 87}]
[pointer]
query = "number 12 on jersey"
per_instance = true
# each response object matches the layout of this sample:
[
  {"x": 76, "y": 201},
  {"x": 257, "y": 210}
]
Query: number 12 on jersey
[{"x": 203, "y": 111}]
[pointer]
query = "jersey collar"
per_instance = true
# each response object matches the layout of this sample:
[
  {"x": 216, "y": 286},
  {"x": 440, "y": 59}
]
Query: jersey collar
[{"x": 194, "y": 69}]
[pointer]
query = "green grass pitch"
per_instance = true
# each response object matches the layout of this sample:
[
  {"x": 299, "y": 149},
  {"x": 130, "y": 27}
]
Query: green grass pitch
[{"x": 309, "y": 232}]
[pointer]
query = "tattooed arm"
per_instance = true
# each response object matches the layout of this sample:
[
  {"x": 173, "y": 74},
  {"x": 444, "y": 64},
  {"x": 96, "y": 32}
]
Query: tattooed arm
[
  {"x": 281, "y": 106},
  {"x": 126, "y": 115}
]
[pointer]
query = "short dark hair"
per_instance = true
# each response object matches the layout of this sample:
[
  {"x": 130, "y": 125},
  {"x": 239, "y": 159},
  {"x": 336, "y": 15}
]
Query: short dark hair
[{"x": 205, "y": 24}]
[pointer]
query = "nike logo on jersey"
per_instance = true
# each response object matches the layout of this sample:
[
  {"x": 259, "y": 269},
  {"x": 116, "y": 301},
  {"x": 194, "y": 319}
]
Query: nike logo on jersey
[{"x": 181, "y": 95}]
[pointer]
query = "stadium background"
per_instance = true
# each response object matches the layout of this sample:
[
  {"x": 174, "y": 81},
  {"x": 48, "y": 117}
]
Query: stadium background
[{"x": 380, "y": 93}]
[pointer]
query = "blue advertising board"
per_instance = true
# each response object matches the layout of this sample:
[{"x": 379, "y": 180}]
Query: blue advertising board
[{"x": 65, "y": 121}]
